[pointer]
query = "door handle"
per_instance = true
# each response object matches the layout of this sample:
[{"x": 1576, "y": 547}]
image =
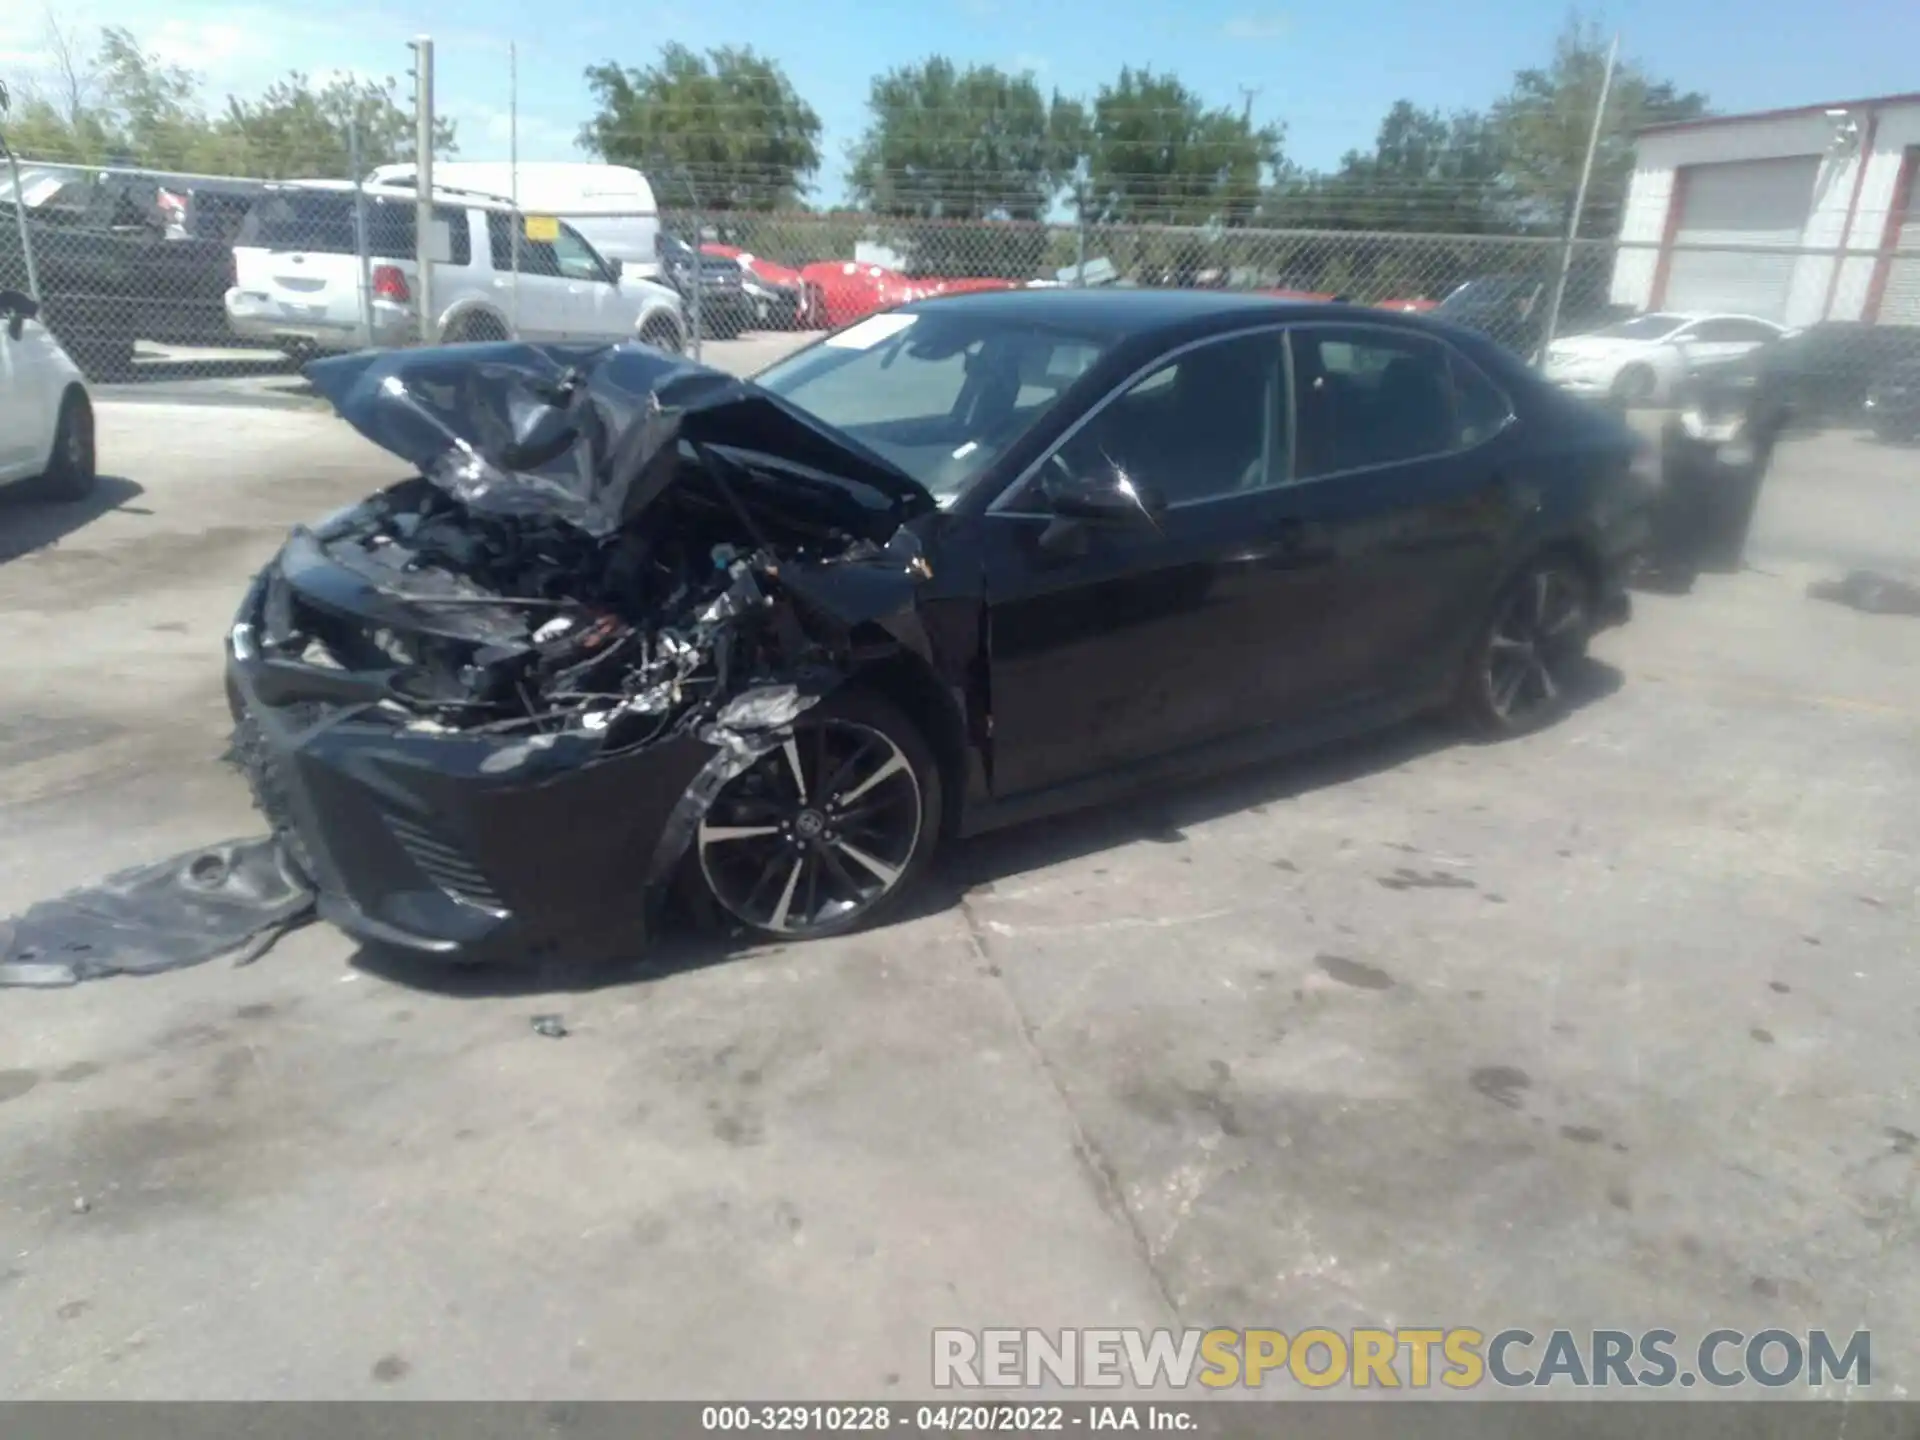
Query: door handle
[
  {"x": 1512, "y": 496},
  {"x": 1290, "y": 537},
  {"x": 1294, "y": 543}
]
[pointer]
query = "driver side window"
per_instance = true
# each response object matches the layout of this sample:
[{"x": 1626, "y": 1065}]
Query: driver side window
[{"x": 576, "y": 258}]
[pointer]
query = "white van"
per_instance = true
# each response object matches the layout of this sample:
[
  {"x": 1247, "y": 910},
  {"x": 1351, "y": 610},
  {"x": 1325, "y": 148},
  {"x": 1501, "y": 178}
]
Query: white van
[{"x": 562, "y": 189}]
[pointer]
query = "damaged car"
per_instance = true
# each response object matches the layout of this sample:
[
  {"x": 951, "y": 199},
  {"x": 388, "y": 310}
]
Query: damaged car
[{"x": 631, "y": 626}]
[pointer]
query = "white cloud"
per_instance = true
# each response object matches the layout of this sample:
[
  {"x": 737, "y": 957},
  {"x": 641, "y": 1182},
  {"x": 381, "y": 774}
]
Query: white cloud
[
  {"x": 1258, "y": 27},
  {"x": 210, "y": 46},
  {"x": 485, "y": 132}
]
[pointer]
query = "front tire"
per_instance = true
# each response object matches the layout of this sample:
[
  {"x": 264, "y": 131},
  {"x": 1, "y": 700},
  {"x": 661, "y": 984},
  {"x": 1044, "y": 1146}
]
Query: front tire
[
  {"x": 1528, "y": 651},
  {"x": 71, "y": 469},
  {"x": 828, "y": 831}
]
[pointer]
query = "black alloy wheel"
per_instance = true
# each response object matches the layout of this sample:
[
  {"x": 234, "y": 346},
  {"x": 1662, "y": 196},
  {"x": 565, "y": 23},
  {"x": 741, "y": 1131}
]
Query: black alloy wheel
[
  {"x": 824, "y": 830},
  {"x": 1528, "y": 656}
]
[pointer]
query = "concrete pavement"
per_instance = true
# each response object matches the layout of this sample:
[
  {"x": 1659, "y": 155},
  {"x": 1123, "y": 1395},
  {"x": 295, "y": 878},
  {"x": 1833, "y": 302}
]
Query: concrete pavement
[{"x": 1610, "y": 1026}]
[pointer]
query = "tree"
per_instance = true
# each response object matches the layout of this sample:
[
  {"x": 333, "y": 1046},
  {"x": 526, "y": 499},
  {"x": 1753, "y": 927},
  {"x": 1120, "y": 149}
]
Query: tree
[
  {"x": 946, "y": 145},
  {"x": 61, "y": 120},
  {"x": 1543, "y": 124},
  {"x": 973, "y": 144},
  {"x": 124, "y": 105},
  {"x": 1428, "y": 172},
  {"x": 725, "y": 130},
  {"x": 1159, "y": 154},
  {"x": 295, "y": 130}
]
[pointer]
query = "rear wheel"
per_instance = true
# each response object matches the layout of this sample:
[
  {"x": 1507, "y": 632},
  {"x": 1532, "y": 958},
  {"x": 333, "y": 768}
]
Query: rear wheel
[
  {"x": 662, "y": 334},
  {"x": 827, "y": 831},
  {"x": 481, "y": 327},
  {"x": 70, "y": 470},
  {"x": 1635, "y": 385},
  {"x": 1528, "y": 652}
]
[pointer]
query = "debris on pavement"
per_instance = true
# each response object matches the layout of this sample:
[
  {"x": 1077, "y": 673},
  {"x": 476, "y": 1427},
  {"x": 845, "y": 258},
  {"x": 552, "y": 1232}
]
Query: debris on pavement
[
  {"x": 235, "y": 896},
  {"x": 551, "y": 1026},
  {"x": 1870, "y": 593}
]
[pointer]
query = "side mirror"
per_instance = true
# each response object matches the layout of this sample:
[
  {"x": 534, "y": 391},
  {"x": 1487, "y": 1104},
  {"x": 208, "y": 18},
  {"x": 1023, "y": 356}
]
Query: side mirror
[
  {"x": 1106, "y": 498},
  {"x": 17, "y": 309},
  {"x": 616, "y": 269}
]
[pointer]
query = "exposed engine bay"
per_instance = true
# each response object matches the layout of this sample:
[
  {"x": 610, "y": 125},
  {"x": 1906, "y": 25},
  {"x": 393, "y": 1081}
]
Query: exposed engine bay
[{"x": 583, "y": 555}]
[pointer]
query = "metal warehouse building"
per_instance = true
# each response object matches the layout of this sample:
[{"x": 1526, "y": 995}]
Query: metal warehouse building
[{"x": 1796, "y": 215}]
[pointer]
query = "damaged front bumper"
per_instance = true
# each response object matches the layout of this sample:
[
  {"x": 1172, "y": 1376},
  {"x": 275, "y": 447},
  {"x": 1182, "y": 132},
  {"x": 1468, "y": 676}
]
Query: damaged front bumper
[
  {"x": 469, "y": 847},
  {"x": 486, "y": 708}
]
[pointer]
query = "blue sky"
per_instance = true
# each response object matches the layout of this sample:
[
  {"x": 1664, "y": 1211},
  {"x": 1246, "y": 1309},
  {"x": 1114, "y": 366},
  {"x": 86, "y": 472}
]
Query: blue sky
[{"x": 1327, "y": 71}]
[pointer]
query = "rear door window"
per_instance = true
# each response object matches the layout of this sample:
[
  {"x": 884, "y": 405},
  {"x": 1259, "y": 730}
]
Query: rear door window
[
  {"x": 536, "y": 257},
  {"x": 1366, "y": 397},
  {"x": 1481, "y": 409}
]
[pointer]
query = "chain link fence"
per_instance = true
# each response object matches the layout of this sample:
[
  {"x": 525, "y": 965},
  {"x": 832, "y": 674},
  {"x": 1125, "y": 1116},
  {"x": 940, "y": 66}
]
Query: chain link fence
[{"x": 146, "y": 274}]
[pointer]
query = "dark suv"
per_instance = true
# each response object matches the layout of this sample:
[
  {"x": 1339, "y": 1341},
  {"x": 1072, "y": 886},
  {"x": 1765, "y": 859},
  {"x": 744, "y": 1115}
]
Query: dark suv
[{"x": 726, "y": 309}]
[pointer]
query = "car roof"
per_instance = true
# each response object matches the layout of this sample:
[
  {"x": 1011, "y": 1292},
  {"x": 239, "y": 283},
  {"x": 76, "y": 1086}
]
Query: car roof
[
  {"x": 446, "y": 195},
  {"x": 1131, "y": 310}
]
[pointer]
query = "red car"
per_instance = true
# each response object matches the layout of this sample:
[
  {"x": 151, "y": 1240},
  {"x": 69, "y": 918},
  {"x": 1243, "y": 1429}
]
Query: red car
[
  {"x": 849, "y": 289},
  {"x": 929, "y": 287},
  {"x": 799, "y": 302}
]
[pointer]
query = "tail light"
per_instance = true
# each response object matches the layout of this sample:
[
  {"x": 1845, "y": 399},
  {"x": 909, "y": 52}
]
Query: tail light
[{"x": 390, "y": 283}]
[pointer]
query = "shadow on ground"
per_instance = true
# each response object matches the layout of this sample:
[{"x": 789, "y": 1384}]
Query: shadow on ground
[
  {"x": 1160, "y": 817},
  {"x": 28, "y": 523}
]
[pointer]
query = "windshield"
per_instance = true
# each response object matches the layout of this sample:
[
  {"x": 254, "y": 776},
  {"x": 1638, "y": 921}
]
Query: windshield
[
  {"x": 940, "y": 394},
  {"x": 36, "y": 186},
  {"x": 1644, "y": 327}
]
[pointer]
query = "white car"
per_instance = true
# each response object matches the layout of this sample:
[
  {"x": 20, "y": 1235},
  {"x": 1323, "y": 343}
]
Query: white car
[
  {"x": 1639, "y": 361},
  {"x": 46, "y": 417},
  {"x": 298, "y": 280}
]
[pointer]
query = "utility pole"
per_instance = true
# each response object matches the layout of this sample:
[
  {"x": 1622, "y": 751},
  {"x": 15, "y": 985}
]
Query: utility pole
[
  {"x": 422, "y": 47},
  {"x": 1247, "y": 92},
  {"x": 513, "y": 171},
  {"x": 1579, "y": 202},
  {"x": 360, "y": 238},
  {"x": 19, "y": 201}
]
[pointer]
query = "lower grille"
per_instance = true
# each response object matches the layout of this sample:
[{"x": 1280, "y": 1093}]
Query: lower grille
[{"x": 445, "y": 864}]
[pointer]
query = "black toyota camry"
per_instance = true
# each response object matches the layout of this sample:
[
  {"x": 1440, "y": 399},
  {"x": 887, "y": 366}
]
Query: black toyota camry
[{"x": 631, "y": 623}]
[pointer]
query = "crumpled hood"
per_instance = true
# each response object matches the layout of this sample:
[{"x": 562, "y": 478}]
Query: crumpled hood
[{"x": 593, "y": 434}]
